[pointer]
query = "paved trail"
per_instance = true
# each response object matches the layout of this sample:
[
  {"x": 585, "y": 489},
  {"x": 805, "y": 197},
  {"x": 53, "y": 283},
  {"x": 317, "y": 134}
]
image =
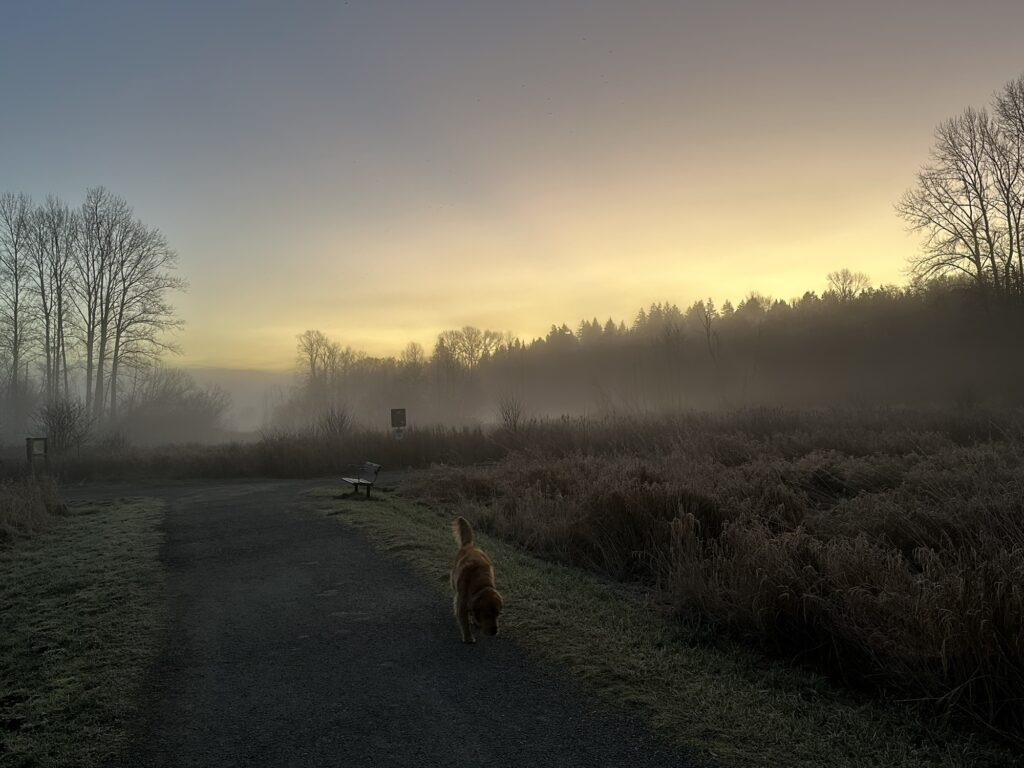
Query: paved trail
[{"x": 293, "y": 643}]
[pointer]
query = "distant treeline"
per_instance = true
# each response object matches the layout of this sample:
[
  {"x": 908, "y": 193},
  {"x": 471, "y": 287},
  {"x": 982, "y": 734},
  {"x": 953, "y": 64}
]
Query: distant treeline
[
  {"x": 950, "y": 337},
  {"x": 941, "y": 343}
]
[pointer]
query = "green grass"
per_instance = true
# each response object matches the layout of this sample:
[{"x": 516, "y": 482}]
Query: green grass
[
  {"x": 723, "y": 700},
  {"x": 81, "y": 611}
]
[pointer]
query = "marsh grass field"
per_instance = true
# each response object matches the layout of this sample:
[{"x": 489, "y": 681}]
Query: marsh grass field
[
  {"x": 883, "y": 549},
  {"x": 886, "y": 553},
  {"x": 840, "y": 587}
]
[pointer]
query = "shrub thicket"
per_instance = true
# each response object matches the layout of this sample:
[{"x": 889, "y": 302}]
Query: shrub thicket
[{"x": 886, "y": 549}]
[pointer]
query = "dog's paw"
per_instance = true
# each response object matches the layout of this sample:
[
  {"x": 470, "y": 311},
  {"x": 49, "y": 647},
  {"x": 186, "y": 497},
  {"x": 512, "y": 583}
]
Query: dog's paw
[{"x": 469, "y": 640}]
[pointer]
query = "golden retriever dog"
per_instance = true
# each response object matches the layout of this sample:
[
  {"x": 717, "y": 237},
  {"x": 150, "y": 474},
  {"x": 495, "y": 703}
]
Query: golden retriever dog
[{"x": 476, "y": 599}]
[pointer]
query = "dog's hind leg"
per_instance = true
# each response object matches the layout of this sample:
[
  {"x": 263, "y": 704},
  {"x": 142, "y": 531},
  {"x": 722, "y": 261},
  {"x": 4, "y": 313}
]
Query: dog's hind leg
[{"x": 462, "y": 614}]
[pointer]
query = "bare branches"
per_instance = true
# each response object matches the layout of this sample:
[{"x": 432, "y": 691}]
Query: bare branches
[
  {"x": 55, "y": 232},
  {"x": 510, "y": 410},
  {"x": 142, "y": 277},
  {"x": 469, "y": 346},
  {"x": 15, "y": 296},
  {"x": 847, "y": 285},
  {"x": 968, "y": 202},
  {"x": 123, "y": 273},
  {"x": 92, "y": 283}
]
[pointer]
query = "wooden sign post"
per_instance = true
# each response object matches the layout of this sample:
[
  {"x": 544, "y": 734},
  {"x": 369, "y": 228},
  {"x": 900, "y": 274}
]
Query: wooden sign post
[
  {"x": 35, "y": 450},
  {"x": 398, "y": 423}
]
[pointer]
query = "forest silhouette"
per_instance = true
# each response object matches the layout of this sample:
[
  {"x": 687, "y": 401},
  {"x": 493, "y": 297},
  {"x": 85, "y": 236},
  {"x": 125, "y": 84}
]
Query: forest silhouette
[{"x": 939, "y": 343}]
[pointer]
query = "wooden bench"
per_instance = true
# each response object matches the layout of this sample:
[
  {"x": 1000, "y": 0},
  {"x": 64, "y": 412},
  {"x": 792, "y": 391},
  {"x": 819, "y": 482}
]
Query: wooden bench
[{"x": 367, "y": 477}]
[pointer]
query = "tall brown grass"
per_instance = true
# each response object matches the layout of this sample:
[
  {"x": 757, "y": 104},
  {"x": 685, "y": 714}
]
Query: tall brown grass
[
  {"x": 276, "y": 454},
  {"x": 27, "y": 505},
  {"x": 888, "y": 554},
  {"x": 335, "y": 445}
]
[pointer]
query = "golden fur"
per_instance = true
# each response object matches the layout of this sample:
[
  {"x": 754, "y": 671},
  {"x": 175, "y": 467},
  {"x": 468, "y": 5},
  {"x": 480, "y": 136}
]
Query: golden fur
[{"x": 476, "y": 599}]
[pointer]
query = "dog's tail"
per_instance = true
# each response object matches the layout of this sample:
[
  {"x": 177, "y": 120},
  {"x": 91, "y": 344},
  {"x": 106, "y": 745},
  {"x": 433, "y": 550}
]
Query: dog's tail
[{"x": 462, "y": 531}]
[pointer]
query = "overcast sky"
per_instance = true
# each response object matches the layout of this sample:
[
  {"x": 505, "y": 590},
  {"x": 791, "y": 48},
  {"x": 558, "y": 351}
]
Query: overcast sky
[{"x": 382, "y": 171}]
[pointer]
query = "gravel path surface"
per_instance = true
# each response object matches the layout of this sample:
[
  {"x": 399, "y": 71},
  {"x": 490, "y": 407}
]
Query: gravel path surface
[{"x": 292, "y": 642}]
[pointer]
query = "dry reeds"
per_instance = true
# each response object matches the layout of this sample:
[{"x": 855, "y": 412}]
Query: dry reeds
[{"x": 899, "y": 569}]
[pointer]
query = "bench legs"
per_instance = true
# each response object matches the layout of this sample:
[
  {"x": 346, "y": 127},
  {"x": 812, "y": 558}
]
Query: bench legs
[{"x": 356, "y": 486}]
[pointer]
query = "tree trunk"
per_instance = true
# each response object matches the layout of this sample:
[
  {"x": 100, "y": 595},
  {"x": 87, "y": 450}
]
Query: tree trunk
[
  {"x": 59, "y": 351},
  {"x": 114, "y": 365},
  {"x": 99, "y": 392},
  {"x": 64, "y": 360},
  {"x": 90, "y": 343}
]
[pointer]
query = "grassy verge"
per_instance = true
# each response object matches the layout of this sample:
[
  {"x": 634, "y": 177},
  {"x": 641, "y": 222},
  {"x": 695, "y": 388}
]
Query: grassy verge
[
  {"x": 81, "y": 609},
  {"x": 723, "y": 700},
  {"x": 27, "y": 506}
]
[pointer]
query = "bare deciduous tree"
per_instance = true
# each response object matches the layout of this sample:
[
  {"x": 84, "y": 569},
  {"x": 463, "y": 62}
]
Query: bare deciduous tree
[
  {"x": 92, "y": 295},
  {"x": 317, "y": 355},
  {"x": 413, "y": 362},
  {"x": 123, "y": 273},
  {"x": 324, "y": 366},
  {"x": 66, "y": 423},
  {"x": 54, "y": 238},
  {"x": 510, "y": 409},
  {"x": 142, "y": 276},
  {"x": 15, "y": 287},
  {"x": 968, "y": 201},
  {"x": 1009, "y": 161},
  {"x": 468, "y": 346},
  {"x": 848, "y": 285},
  {"x": 90, "y": 285}
]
